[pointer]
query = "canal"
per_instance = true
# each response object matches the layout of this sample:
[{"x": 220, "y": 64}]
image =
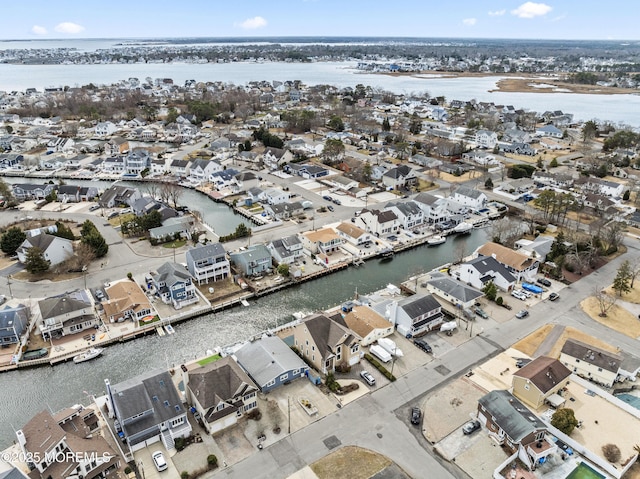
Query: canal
[{"x": 23, "y": 393}]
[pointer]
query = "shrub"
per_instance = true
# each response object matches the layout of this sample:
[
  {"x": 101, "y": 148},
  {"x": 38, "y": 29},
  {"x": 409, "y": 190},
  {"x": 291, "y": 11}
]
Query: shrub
[
  {"x": 565, "y": 420},
  {"x": 611, "y": 452},
  {"x": 499, "y": 300},
  {"x": 128, "y": 470},
  {"x": 180, "y": 443},
  {"x": 184, "y": 475},
  {"x": 254, "y": 414},
  {"x": 376, "y": 364},
  {"x": 212, "y": 461}
]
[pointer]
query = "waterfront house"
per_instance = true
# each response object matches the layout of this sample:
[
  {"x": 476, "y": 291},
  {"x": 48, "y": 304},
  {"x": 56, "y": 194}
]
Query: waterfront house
[
  {"x": 434, "y": 208},
  {"x": 116, "y": 146},
  {"x": 158, "y": 167},
  {"x": 514, "y": 427},
  {"x": 246, "y": 180},
  {"x": 400, "y": 177},
  {"x": 223, "y": 179},
  {"x": 415, "y": 315},
  {"x": 470, "y": 197},
  {"x": 171, "y": 229},
  {"x": 114, "y": 165},
  {"x": 452, "y": 293},
  {"x": 408, "y": 213},
  {"x": 66, "y": 314},
  {"x": 54, "y": 249},
  {"x": 539, "y": 382},
  {"x": 126, "y": 301},
  {"x": 326, "y": 344},
  {"x": 521, "y": 266},
  {"x": 136, "y": 162},
  {"x": 200, "y": 170},
  {"x": 378, "y": 222},
  {"x": 220, "y": 391},
  {"x": 254, "y": 260},
  {"x": 486, "y": 139},
  {"x": 105, "y": 128},
  {"x": 68, "y": 444},
  {"x": 208, "y": 263},
  {"x": 286, "y": 250},
  {"x": 174, "y": 285},
  {"x": 351, "y": 234},
  {"x": 592, "y": 363},
  {"x": 13, "y": 324},
  {"x": 484, "y": 269},
  {"x": 284, "y": 211},
  {"x": 323, "y": 241},
  {"x": 118, "y": 195},
  {"x": 76, "y": 194},
  {"x": 274, "y": 196},
  {"x": 22, "y": 192},
  {"x": 270, "y": 363},
  {"x": 147, "y": 408},
  {"x": 367, "y": 324},
  {"x": 179, "y": 168}
]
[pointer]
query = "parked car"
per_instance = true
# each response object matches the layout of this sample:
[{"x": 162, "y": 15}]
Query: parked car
[
  {"x": 554, "y": 296},
  {"x": 369, "y": 379},
  {"x": 330, "y": 208},
  {"x": 113, "y": 214},
  {"x": 337, "y": 201},
  {"x": 519, "y": 295},
  {"x": 327, "y": 198},
  {"x": 544, "y": 282},
  {"x": 416, "y": 415},
  {"x": 521, "y": 362},
  {"x": 159, "y": 461},
  {"x": 422, "y": 344},
  {"x": 523, "y": 313},
  {"x": 480, "y": 312},
  {"x": 470, "y": 427},
  {"x": 94, "y": 207},
  {"x": 3, "y": 298}
]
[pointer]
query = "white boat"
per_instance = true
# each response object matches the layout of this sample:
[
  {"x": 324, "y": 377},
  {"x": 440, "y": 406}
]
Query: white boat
[
  {"x": 244, "y": 302},
  {"x": 462, "y": 228},
  {"x": 87, "y": 355},
  {"x": 436, "y": 240},
  {"x": 169, "y": 329},
  {"x": 390, "y": 346}
]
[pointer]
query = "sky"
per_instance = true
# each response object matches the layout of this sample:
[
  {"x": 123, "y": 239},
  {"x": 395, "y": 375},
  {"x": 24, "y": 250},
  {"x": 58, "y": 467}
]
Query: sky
[{"x": 545, "y": 19}]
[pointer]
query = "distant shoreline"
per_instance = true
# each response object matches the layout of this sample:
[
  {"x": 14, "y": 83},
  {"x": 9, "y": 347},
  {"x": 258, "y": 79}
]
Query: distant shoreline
[{"x": 524, "y": 83}]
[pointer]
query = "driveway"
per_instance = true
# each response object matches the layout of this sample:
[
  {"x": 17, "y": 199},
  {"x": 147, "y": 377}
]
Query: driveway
[{"x": 13, "y": 269}]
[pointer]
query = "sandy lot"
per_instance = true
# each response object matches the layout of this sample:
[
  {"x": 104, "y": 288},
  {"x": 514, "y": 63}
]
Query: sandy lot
[
  {"x": 352, "y": 462},
  {"x": 531, "y": 343},
  {"x": 617, "y": 318}
]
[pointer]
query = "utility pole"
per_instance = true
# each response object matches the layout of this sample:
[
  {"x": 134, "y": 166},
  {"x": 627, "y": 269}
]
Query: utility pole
[
  {"x": 289, "y": 413},
  {"x": 9, "y": 285}
]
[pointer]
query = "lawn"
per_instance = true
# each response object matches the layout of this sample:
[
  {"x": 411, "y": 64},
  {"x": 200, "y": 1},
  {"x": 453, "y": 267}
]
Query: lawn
[
  {"x": 175, "y": 244},
  {"x": 350, "y": 461},
  {"x": 210, "y": 359},
  {"x": 528, "y": 345},
  {"x": 617, "y": 318}
]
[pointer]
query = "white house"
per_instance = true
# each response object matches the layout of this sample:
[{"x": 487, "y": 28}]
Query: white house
[
  {"x": 549, "y": 130},
  {"x": 486, "y": 139},
  {"x": 55, "y": 249},
  {"x": 470, "y": 197},
  {"x": 352, "y": 234},
  {"x": 105, "y": 128},
  {"x": 409, "y": 213},
  {"x": 379, "y": 222},
  {"x": 484, "y": 269}
]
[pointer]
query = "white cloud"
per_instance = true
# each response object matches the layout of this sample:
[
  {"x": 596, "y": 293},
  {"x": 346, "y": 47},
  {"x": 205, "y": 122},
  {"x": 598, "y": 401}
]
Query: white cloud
[
  {"x": 559, "y": 18},
  {"x": 253, "y": 23},
  {"x": 38, "y": 30},
  {"x": 68, "y": 27},
  {"x": 531, "y": 10},
  {"x": 469, "y": 21},
  {"x": 497, "y": 13}
]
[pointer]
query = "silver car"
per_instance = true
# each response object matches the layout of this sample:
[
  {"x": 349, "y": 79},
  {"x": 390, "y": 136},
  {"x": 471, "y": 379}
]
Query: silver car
[{"x": 369, "y": 379}]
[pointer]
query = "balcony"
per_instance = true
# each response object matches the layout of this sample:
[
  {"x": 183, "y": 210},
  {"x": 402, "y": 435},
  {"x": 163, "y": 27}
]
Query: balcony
[{"x": 540, "y": 449}]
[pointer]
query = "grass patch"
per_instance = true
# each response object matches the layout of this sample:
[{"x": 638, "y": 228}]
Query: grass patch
[
  {"x": 618, "y": 318},
  {"x": 529, "y": 345},
  {"x": 210, "y": 359},
  {"x": 350, "y": 461},
  {"x": 572, "y": 333},
  {"x": 378, "y": 365},
  {"x": 175, "y": 244}
]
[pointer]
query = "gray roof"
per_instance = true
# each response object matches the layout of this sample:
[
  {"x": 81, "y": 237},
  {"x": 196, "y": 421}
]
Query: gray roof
[
  {"x": 511, "y": 415},
  {"x": 454, "y": 288},
  {"x": 51, "y": 307},
  {"x": 426, "y": 199},
  {"x": 488, "y": 264},
  {"x": 469, "y": 192},
  {"x": 407, "y": 208},
  {"x": 327, "y": 334},
  {"x": 592, "y": 355},
  {"x": 13, "y": 473},
  {"x": 418, "y": 305},
  {"x": 171, "y": 273},
  {"x": 153, "y": 390},
  {"x": 211, "y": 250},
  {"x": 13, "y": 318},
  {"x": 219, "y": 381},
  {"x": 268, "y": 358}
]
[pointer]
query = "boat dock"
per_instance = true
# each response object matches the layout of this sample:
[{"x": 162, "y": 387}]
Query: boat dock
[{"x": 160, "y": 331}]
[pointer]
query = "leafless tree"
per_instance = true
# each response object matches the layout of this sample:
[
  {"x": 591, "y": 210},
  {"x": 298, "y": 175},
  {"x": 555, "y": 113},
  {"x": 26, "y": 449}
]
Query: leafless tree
[
  {"x": 605, "y": 301},
  {"x": 153, "y": 189},
  {"x": 175, "y": 192}
]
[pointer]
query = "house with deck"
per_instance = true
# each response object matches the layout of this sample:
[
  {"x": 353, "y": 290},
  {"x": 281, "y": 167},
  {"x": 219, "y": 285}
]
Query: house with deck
[
  {"x": 541, "y": 382},
  {"x": 175, "y": 285},
  {"x": 13, "y": 324},
  {"x": 286, "y": 250},
  {"x": 590, "y": 362},
  {"x": 254, "y": 260},
  {"x": 67, "y": 314},
  {"x": 208, "y": 263},
  {"x": 484, "y": 269},
  {"x": 126, "y": 301},
  {"x": 521, "y": 266}
]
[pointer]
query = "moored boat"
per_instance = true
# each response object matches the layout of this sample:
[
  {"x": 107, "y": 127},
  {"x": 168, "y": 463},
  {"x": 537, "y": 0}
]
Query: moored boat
[
  {"x": 35, "y": 354},
  {"x": 462, "y": 228},
  {"x": 87, "y": 355},
  {"x": 436, "y": 240},
  {"x": 386, "y": 253}
]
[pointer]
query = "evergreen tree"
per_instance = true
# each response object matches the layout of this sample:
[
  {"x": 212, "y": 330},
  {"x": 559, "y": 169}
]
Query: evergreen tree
[
  {"x": 565, "y": 420},
  {"x": 11, "y": 240},
  {"x": 64, "y": 231},
  {"x": 621, "y": 283},
  {"x": 490, "y": 291},
  {"x": 386, "y": 126},
  {"x": 35, "y": 261}
]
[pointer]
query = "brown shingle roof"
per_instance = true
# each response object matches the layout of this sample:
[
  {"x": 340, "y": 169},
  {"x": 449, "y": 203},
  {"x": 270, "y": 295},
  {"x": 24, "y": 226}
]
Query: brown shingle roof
[
  {"x": 362, "y": 320},
  {"x": 506, "y": 256},
  {"x": 544, "y": 372}
]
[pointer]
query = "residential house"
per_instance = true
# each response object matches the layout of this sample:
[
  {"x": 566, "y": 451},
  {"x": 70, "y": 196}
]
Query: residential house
[
  {"x": 274, "y": 158},
  {"x": 174, "y": 285},
  {"x": 22, "y": 192},
  {"x": 400, "y": 177},
  {"x": 270, "y": 363},
  {"x": 521, "y": 266},
  {"x": 416, "y": 315},
  {"x": 549, "y": 130},
  {"x": 379, "y": 222},
  {"x": 539, "y": 382},
  {"x": 485, "y": 269},
  {"x": 114, "y": 165},
  {"x": 136, "y": 162},
  {"x": 452, "y": 293},
  {"x": 351, "y": 234},
  {"x": 284, "y": 211},
  {"x": 600, "y": 186},
  {"x": 326, "y": 344},
  {"x": 158, "y": 167},
  {"x": 75, "y": 194},
  {"x": 147, "y": 408},
  {"x": 306, "y": 170},
  {"x": 116, "y": 146},
  {"x": 172, "y": 228},
  {"x": 208, "y": 263},
  {"x": 246, "y": 180},
  {"x": 255, "y": 259},
  {"x": 54, "y": 249},
  {"x": 486, "y": 139},
  {"x": 220, "y": 391},
  {"x": 480, "y": 157},
  {"x": 13, "y": 324},
  {"x": 367, "y": 324},
  {"x": 179, "y": 168},
  {"x": 514, "y": 427},
  {"x": 67, "y": 445},
  {"x": 126, "y": 302},
  {"x": 286, "y": 250},
  {"x": 118, "y": 195},
  {"x": 592, "y": 363},
  {"x": 223, "y": 179},
  {"x": 556, "y": 180},
  {"x": 325, "y": 240},
  {"x": 470, "y": 197},
  {"x": 538, "y": 248},
  {"x": 434, "y": 208},
  {"x": 408, "y": 213},
  {"x": 518, "y": 148},
  {"x": 255, "y": 195},
  {"x": 66, "y": 314},
  {"x": 105, "y": 128},
  {"x": 201, "y": 170},
  {"x": 516, "y": 136}
]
